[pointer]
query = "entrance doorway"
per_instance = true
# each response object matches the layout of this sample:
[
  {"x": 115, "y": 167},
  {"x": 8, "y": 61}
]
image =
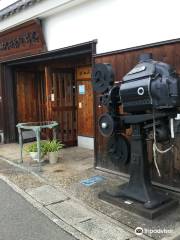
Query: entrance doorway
[
  {"x": 48, "y": 95},
  {"x": 62, "y": 93}
]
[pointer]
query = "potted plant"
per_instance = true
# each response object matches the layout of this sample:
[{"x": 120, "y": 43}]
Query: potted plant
[
  {"x": 52, "y": 148},
  {"x": 33, "y": 151}
]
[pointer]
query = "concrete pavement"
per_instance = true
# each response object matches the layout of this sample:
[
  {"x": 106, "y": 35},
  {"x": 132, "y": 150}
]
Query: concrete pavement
[
  {"x": 19, "y": 220},
  {"x": 65, "y": 212},
  {"x": 58, "y": 193}
]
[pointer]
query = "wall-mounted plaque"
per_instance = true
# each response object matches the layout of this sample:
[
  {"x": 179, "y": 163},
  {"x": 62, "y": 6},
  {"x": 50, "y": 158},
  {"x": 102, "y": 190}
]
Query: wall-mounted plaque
[
  {"x": 23, "y": 40},
  {"x": 83, "y": 73}
]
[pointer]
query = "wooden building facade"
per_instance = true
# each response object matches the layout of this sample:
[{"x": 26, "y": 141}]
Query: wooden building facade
[{"x": 36, "y": 85}]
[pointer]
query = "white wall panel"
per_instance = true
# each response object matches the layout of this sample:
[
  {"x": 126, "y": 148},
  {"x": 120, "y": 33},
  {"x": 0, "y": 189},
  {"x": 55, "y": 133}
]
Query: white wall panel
[
  {"x": 5, "y": 3},
  {"x": 116, "y": 24},
  {"x": 40, "y": 10}
]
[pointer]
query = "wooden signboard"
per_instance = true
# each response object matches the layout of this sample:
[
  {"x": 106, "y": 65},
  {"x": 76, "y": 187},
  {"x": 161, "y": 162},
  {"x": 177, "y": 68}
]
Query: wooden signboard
[
  {"x": 23, "y": 40},
  {"x": 83, "y": 73}
]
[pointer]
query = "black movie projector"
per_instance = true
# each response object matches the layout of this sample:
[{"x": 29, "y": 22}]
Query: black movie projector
[{"x": 149, "y": 96}]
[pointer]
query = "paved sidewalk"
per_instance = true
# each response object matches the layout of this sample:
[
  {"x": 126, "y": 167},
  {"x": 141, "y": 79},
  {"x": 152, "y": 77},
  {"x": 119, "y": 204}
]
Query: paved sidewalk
[
  {"x": 73, "y": 216},
  {"x": 58, "y": 191},
  {"x": 20, "y": 220},
  {"x": 77, "y": 215}
]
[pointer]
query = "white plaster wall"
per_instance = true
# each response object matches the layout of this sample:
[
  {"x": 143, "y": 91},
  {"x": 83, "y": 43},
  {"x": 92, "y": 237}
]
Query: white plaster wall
[
  {"x": 40, "y": 10},
  {"x": 5, "y": 3},
  {"x": 117, "y": 24}
]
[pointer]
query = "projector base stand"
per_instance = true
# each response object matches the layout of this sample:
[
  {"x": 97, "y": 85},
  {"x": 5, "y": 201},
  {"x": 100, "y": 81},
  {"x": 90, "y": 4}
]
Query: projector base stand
[{"x": 139, "y": 188}]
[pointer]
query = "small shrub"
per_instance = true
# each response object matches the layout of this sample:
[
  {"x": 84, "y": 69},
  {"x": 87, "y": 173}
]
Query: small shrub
[
  {"x": 53, "y": 146},
  {"x": 33, "y": 147}
]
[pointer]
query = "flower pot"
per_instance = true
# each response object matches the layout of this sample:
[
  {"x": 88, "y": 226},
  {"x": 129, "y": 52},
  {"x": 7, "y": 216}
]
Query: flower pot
[
  {"x": 53, "y": 157},
  {"x": 34, "y": 156}
]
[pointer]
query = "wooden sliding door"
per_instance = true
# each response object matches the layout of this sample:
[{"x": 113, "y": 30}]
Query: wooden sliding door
[
  {"x": 30, "y": 96},
  {"x": 63, "y": 104},
  {"x": 48, "y": 95}
]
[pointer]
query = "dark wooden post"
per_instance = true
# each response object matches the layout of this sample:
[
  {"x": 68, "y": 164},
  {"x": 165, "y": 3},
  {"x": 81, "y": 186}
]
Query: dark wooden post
[{"x": 7, "y": 103}]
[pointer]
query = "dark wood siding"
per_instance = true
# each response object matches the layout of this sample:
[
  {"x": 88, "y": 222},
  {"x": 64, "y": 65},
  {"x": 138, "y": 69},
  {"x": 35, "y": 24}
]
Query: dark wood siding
[
  {"x": 122, "y": 62},
  {"x": 7, "y": 105},
  {"x": 27, "y": 96},
  {"x": 1, "y": 102}
]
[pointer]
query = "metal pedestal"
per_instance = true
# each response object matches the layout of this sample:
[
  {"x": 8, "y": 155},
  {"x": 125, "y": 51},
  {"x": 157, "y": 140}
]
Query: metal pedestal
[{"x": 139, "y": 188}]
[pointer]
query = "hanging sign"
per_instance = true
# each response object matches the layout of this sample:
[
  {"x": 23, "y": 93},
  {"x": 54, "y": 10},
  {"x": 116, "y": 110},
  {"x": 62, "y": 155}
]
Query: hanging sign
[{"x": 23, "y": 40}]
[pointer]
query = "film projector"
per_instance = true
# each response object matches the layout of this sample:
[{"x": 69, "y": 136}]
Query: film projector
[{"x": 149, "y": 96}]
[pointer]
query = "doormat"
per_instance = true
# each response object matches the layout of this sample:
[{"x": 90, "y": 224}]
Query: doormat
[{"x": 91, "y": 181}]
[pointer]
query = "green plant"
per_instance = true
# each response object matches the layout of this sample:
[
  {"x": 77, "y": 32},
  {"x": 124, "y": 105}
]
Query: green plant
[
  {"x": 53, "y": 146},
  {"x": 32, "y": 147}
]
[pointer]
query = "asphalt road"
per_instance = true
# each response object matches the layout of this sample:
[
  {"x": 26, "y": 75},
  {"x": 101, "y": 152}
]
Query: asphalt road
[{"x": 19, "y": 220}]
